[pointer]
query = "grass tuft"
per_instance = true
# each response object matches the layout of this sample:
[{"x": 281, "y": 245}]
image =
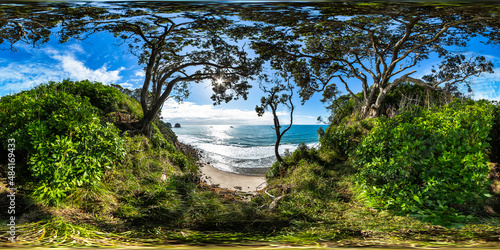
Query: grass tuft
[{"x": 57, "y": 232}]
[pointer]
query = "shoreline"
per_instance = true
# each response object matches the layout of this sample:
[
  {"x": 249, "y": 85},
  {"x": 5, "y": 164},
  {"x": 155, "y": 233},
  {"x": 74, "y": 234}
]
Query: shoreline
[
  {"x": 236, "y": 182},
  {"x": 215, "y": 177}
]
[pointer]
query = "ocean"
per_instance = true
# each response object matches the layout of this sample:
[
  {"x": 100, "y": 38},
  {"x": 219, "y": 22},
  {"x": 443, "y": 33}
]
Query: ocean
[{"x": 244, "y": 149}]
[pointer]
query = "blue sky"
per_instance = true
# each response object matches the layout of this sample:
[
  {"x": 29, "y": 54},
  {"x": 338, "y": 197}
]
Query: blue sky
[{"x": 101, "y": 58}]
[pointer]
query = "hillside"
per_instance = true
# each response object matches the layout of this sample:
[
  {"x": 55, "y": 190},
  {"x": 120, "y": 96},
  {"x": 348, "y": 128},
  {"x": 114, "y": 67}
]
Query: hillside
[{"x": 424, "y": 177}]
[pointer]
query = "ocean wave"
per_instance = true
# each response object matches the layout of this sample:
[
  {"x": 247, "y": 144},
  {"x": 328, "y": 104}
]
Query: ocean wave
[
  {"x": 242, "y": 152},
  {"x": 239, "y": 166},
  {"x": 247, "y": 153},
  {"x": 236, "y": 159}
]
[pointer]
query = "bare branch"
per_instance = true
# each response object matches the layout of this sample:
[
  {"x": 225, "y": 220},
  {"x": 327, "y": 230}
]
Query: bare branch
[
  {"x": 348, "y": 89},
  {"x": 407, "y": 78}
]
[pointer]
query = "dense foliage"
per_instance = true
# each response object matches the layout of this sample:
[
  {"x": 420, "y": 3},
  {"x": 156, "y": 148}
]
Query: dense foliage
[
  {"x": 426, "y": 159},
  {"x": 429, "y": 164},
  {"x": 495, "y": 136},
  {"x": 70, "y": 156},
  {"x": 60, "y": 140},
  {"x": 343, "y": 139},
  {"x": 169, "y": 135},
  {"x": 405, "y": 97},
  {"x": 154, "y": 188}
]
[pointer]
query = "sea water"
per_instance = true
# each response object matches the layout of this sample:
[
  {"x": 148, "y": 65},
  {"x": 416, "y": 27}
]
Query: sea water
[{"x": 244, "y": 149}]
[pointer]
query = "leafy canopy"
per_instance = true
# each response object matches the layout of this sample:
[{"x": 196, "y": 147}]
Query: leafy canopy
[{"x": 377, "y": 47}]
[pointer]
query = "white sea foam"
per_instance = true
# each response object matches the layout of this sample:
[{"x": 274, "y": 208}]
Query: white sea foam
[{"x": 235, "y": 151}]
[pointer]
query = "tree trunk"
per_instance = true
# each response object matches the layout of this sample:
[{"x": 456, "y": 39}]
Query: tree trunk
[
  {"x": 277, "y": 130},
  {"x": 376, "y": 108},
  {"x": 370, "y": 110},
  {"x": 146, "y": 126},
  {"x": 149, "y": 115},
  {"x": 143, "y": 126},
  {"x": 277, "y": 145},
  {"x": 147, "y": 121},
  {"x": 373, "y": 107}
]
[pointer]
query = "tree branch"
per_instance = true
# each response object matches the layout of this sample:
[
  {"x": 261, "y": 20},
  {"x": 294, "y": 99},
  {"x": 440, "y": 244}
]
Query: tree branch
[
  {"x": 348, "y": 89},
  {"x": 407, "y": 78}
]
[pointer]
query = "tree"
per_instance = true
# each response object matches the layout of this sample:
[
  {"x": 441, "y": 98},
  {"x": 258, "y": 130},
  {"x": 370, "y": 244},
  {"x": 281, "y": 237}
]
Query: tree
[
  {"x": 167, "y": 67},
  {"x": 378, "y": 46},
  {"x": 177, "y": 44},
  {"x": 278, "y": 93}
]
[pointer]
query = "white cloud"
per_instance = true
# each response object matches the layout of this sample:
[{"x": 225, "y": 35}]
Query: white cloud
[
  {"x": 51, "y": 65},
  {"x": 17, "y": 76},
  {"x": 78, "y": 71},
  {"x": 191, "y": 113},
  {"x": 127, "y": 85},
  {"x": 304, "y": 117},
  {"x": 492, "y": 58},
  {"x": 75, "y": 47},
  {"x": 140, "y": 73},
  {"x": 487, "y": 86}
]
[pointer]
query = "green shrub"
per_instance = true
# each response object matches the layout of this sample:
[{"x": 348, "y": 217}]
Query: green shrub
[
  {"x": 302, "y": 154},
  {"x": 341, "y": 139},
  {"x": 427, "y": 165},
  {"x": 405, "y": 97},
  {"x": 274, "y": 170},
  {"x": 67, "y": 162},
  {"x": 342, "y": 108},
  {"x": 105, "y": 98},
  {"x": 60, "y": 140},
  {"x": 100, "y": 96},
  {"x": 159, "y": 140},
  {"x": 179, "y": 160},
  {"x": 411, "y": 96}
]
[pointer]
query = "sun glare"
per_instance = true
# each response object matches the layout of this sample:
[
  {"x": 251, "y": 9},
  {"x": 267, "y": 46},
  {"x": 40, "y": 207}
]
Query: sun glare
[{"x": 219, "y": 82}]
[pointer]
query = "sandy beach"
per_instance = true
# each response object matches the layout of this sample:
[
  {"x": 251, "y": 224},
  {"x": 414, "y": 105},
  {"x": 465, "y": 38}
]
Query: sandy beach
[{"x": 236, "y": 182}]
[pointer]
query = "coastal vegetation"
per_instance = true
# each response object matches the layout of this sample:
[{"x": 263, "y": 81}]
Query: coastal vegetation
[
  {"x": 404, "y": 162},
  {"x": 146, "y": 191},
  {"x": 377, "y": 46},
  {"x": 275, "y": 97},
  {"x": 175, "y": 48}
]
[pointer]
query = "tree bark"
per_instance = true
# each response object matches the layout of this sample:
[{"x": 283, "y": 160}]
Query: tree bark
[
  {"x": 277, "y": 129},
  {"x": 276, "y": 147}
]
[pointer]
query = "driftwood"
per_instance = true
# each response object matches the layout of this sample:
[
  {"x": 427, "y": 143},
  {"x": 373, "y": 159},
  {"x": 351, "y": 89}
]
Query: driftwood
[{"x": 274, "y": 203}]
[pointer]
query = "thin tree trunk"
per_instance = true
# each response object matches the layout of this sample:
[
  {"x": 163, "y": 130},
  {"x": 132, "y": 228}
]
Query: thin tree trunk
[
  {"x": 277, "y": 129},
  {"x": 276, "y": 147}
]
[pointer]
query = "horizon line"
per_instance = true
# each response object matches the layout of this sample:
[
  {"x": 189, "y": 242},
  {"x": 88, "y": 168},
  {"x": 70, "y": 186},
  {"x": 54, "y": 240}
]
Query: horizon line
[{"x": 191, "y": 124}]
